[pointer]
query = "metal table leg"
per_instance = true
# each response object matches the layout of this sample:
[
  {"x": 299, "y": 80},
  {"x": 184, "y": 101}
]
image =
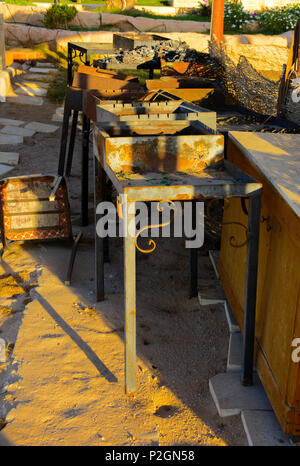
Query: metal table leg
[
  {"x": 99, "y": 196},
  {"x": 64, "y": 140},
  {"x": 250, "y": 289},
  {"x": 85, "y": 172},
  {"x": 193, "y": 292},
  {"x": 72, "y": 143},
  {"x": 130, "y": 297}
]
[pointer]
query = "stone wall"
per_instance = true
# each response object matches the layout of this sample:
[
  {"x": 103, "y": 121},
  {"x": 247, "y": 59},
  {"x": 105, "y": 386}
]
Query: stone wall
[
  {"x": 258, "y": 4},
  {"x": 184, "y": 3},
  {"x": 34, "y": 16},
  {"x": 248, "y": 4}
]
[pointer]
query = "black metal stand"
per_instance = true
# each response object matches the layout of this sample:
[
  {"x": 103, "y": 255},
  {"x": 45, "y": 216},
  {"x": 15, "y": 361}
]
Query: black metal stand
[
  {"x": 250, "y": 289},
  {"x": 72, "y": 258},
  {"x": 99, "y": 196}
]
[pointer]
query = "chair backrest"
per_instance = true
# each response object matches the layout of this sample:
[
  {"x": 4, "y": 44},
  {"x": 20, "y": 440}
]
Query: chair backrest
[{"x": 27, "y": 213}]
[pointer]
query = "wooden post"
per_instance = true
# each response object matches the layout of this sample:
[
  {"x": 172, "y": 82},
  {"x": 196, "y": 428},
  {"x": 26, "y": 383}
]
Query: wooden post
[{"x": 217, "y": 21}]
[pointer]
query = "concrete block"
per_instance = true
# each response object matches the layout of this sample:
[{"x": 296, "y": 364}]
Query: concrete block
[
  {"x": 263, "y": 429},
  {"x": 214, "y": 258},
  {"x": 231, "y": 320},
  {"x": 210, "y": 292},
  {"x": 9, "y": 158},
  {"x": 235, "y": 351},
  {"x": 231, "y": 397},
  {"x": 5, "y": 85},
  {"x": 8, "y": 139},
  {"x": 17, "y": 131},
  {"x": 4, "y": 169},
  {"x": 41, "y": 127},
  {"x": 26, "y": 100},
  {"x": 234, "y": 357},
  {"x": 9, "y": 122}
]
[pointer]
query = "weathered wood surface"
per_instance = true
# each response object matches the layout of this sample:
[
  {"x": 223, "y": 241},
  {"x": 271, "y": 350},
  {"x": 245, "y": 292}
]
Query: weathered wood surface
[{"x": 274, "y": 160}]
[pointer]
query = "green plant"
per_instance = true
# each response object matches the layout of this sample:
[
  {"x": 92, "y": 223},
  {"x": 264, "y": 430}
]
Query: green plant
[
  {"x": 235, "y": 17},
  {"x": 19, "y": 2},
  {"x": 278, "y": 19},
  {"x": 204, "y": 8},
  {"x": 59, "y": 16}
]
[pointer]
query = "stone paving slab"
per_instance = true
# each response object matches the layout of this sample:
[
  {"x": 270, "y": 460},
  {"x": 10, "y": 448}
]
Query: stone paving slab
[
  {"x": 31, "y": 91},
  {"x": 231, "y": 320},
  {"x": 41, "y": 127},
  {"x": 214, "y": 258},
  {"x": 36, "y": 77},
  {"x": 4, "y": 169},
  {"x": 234, "y": 357},
  {"x": 8, "y": 121},
  {"x": 17, "y": 131},
  {"x": 34, "y": 69},
  {"x": 9, "y": 158},
  {"x": 235, "y": 350},
  {"x": 8, "y": 139},
  {"x": 45, "y": 65},
  {"x": 57, "y": 117},
  {"x": 210, "y": 292},
  {"x": 263, "y": 429},
  {"x": 26, "y": 100},
  {"x": 231, "y": 397},
  {"x": 40, "y": 84}
]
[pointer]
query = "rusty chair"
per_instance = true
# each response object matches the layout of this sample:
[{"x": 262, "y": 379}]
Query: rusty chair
[{"x": 36, "y": 208}]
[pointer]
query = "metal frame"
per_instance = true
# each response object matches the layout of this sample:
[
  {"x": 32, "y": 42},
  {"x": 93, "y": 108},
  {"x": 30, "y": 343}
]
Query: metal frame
[{"x": 243, "y": 187}]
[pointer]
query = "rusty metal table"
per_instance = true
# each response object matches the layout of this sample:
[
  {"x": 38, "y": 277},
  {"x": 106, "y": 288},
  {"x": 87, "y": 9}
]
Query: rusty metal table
[
  {"x": 84, "y": 50},
  {"x": 194, "y": 162}
]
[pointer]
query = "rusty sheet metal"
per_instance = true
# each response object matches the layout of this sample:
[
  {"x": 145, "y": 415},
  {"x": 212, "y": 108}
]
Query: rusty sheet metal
[
  {"x": 151, "y": 111},
  {"x": 102, "y": 73},
  {"x": 179, "y": 83},
  {"x": 191, "y": 95},
  {"x": 208, "y": 69},
  {"x": 91, "y": 98},
  {"x": 28, "y": 214},
  {"x": 163, "y": 154},
  {"x": 179, "y": 162},
  {"x": 93, "y": 78},
  {"x": 169, "y": 166}
]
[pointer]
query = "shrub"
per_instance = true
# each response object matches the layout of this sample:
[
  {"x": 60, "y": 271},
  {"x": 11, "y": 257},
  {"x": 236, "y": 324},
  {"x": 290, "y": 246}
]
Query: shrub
[
  {"x": 59, "y": 16},
  {"x": 205, "y": 7},
  {"x": 278, "y": 19},
  {"x": 235, "y": 17},
  {"x": 120, "y": 4}
]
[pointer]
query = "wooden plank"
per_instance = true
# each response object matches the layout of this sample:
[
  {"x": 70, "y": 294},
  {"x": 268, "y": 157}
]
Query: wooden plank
[
  {"x": 276, "y": 157},
  {"x": 278, "y": 294}
]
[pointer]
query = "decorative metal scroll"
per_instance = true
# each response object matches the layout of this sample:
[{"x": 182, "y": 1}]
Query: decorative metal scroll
[
  {"x": 151, "y": 242},
  {"x": 232, "y": 239}
]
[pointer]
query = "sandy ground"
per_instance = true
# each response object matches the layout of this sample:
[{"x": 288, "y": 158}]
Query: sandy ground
[{"x": 63, "y": 383}]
